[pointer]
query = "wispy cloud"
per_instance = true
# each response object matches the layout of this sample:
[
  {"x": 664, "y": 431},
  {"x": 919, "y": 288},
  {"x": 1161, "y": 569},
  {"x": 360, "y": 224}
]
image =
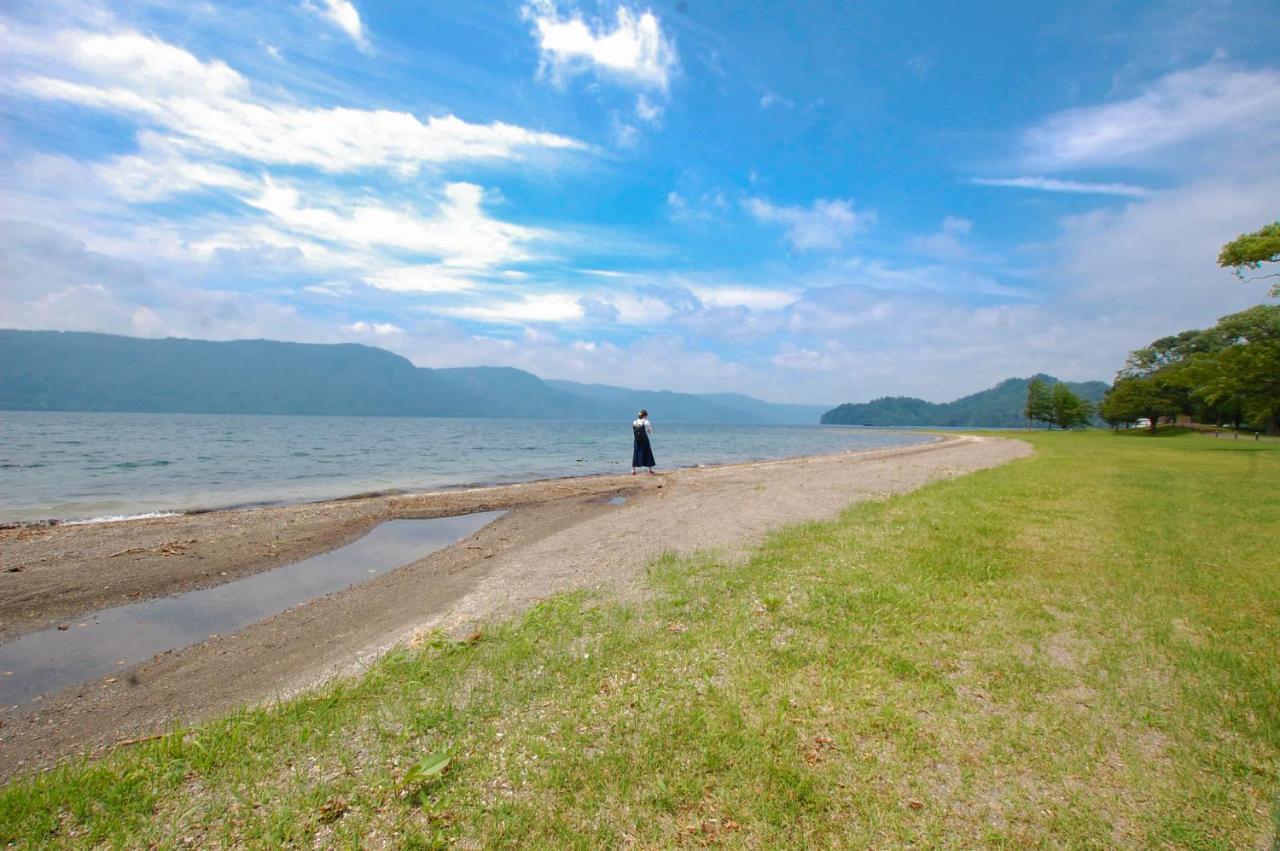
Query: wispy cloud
[
  {"x": 160, "y": 169},
  {"x": 546, "y": 307},
  {"x": 949, "y": 241},
  {"x": 421, "y": 278},
  {"x": 344, "y": 15},
  {"x": 1216, "y": 100},
  {"x": 208, "y": 108},
  {"x": 648, "y": 111},
  {"x": 1049, "y": 184},
  {"x": 771, "y": 98},
  {"x": 635, "y": 50},
  {"x": 824, "y": 226},
  {"x": 701, "y": 208}
]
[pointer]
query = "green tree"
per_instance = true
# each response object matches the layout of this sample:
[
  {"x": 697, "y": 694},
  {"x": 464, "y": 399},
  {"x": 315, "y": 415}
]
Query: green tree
[
  {"x": 1132, "y": 399},
  {"x": 1039, "y": 406},
  {"x": 1244, "y": 374},
  {"x": 1066, "y": 409},
  {"x": 1115, "y": 415},
  {"x": 1169, "y": 352},
  {"x": 1168, "y": 360},
  {"x": 1251, "y": 250}
]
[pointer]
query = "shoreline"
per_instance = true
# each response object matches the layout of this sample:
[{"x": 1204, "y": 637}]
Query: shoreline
[
  {"x": 557, "y": 535},
  {"x": 254, "y": 505},
  {"x": 147, "y": 544}
]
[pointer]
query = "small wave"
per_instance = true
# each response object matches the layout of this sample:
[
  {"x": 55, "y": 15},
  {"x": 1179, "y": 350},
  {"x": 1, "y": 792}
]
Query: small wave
[
  {"x": 116, "y": 518},
  {"x": 134, "y": 465}
]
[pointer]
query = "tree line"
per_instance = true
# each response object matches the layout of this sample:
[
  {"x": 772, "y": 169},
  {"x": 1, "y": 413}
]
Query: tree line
[
  {"x": 1227, "y": 374},
  {"x": 1056, "y": 405}
]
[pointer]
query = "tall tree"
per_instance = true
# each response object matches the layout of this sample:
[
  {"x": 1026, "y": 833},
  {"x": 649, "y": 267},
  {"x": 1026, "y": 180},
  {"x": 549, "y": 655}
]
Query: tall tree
[
  {"x": 1251, "y": 250},
  {"x": 1066, "y": 409},
  {"x": 1039, "y": 404}
]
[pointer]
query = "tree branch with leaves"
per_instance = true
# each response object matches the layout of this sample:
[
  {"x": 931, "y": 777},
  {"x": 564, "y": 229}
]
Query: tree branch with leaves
[{"x": 1250, "y": 251}]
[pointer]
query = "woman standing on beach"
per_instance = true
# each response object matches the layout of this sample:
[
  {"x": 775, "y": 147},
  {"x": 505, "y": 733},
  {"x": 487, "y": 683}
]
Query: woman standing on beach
[{"x": 642, "y": 452}]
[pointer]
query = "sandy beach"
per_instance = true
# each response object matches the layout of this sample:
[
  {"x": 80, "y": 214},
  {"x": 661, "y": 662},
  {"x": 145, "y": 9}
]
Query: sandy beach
[{"x": 557, "y": 535}]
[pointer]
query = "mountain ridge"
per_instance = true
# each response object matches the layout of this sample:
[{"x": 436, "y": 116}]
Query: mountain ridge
[
  {"x": 89, "y": 371},
  {"x": 1000, "y": 406}
]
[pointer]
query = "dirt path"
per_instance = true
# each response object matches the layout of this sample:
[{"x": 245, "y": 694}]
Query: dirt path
[{"x": 558, "y": 535}]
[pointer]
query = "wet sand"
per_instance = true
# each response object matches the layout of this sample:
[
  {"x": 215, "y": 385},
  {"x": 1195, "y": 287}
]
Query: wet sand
[{"x": 557, "y": 535}]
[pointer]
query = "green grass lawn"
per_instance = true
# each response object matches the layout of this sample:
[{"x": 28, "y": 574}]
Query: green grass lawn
[{"x": 1079, "y": 649}]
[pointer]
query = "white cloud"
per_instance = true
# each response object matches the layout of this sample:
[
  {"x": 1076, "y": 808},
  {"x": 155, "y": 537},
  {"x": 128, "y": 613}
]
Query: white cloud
[
  {"x": 635, "y": 50},
  {"x": 1156, "y": 258},
  {"x": 648, "y": 111},
  {"x": 772, "y": 98},
  {"x": 459, "y": 232},
  {"x": 208, "y": 108},
  {"x": 824, "y": 226},
  {"x": 421, "y": 278},
  {"x": 256, "y": 241},
  {"x": 1214, "y": 100},
  {"x": 380, "y": 329},
  {"x": 1049, "y": 184},
  {"x": 948, "y": 243},
  {"x": 331, "y": 290},
  {"x": 546, "y": 307},
  {"x": 752, "y": 298},
  {"x": 36, "y": 260},
  {"x": 695, "y": 210},
  {"x": 138, "y": 65},
  {"x": 344, "y": 15},
  {"x": 676, "y": 204},
  {"x": 624, "y": 135},
  {"x": 638, "y": 309},
  {"x": 52, "y": 282},
  {"x": 160, "y": 170}
]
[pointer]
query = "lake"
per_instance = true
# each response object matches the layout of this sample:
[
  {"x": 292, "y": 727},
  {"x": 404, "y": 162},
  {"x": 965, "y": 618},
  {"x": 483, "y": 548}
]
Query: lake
[{"x": 80, "y": 466}]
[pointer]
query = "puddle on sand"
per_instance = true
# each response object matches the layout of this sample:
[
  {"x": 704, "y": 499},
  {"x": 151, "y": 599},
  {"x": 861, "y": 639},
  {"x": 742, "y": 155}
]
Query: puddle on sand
[
  {"x": 114, "y": 639},
  {"x": 618, "y": 500}
]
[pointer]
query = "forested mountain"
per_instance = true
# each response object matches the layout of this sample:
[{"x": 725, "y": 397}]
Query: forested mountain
[
  {"x": 999, "y": 407},
  {"x": 74, "y": 371}
]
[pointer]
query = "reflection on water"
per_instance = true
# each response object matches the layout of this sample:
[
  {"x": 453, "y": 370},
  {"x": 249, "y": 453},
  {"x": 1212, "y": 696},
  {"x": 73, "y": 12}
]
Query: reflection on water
[{"x": 114, "y": 639}]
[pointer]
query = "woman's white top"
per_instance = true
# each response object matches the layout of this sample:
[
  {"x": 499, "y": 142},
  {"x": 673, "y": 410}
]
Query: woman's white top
[{"x": 643, "y": 421}]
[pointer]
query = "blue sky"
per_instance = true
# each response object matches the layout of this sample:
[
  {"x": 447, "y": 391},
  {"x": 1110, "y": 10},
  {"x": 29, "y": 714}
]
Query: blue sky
[{"x": 818, "y": 202}]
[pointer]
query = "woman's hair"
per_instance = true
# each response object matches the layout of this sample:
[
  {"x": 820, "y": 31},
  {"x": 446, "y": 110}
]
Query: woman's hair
[{"x": 643, "y": 413}]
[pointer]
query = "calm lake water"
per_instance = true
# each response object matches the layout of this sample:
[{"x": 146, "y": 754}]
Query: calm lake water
[{"x": 73, "y": 466}]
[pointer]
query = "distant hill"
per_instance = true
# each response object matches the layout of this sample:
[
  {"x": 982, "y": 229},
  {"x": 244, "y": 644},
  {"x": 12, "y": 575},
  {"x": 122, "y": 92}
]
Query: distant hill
[
  {"x": 75, "y": 371},
  {"x": 999, "y": 407}
]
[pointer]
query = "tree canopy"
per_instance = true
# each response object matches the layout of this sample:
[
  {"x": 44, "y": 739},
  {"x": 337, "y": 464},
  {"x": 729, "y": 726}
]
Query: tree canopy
[
  {"x": 1227, "y": 373},
  {"x": 1133, "y": 399},
  {"x": 1066, "y": 409},
  {"x": 1251, "y": 250}
]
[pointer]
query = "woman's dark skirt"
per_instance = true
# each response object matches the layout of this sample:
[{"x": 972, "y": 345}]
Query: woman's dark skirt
[{"x": 642, "y": 453}]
